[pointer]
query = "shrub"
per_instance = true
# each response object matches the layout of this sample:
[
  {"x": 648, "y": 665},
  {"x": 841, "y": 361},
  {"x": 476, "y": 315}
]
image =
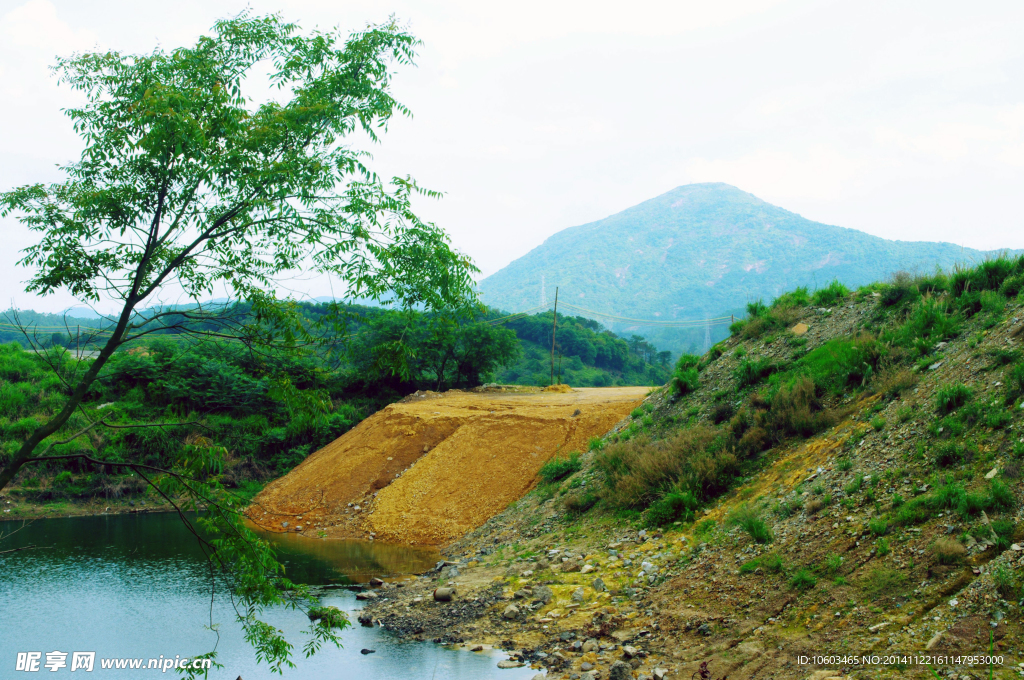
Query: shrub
[
  {"x": 894, "y": 383},
  {"x": 989, "y": 275},
  {"x": 798, "y": 297},
  {"x": 878, "y": 422},
  {"x": 854, "y": 486},
  {"x": 1003, "y": 529},
  {"x": 685, "y": 378},
  {"x": 752, "y": 372},
  {"x": 751, "y": 522},
  {"x": 951, "y": 397},
  {"x": 844, "y": 464},
  {"x": 948, "y": 454},
  {"x": 997, "y": 418},
  {"x": 1000, "y": 496},
  {"x": 704, "y": 528},
  {"x": 639, "y": 471},
  {"x": 831, "y": 294},
  {"x": 772, "y": 563},
  {"x": 814, "y": 506},
  {"x": 832, "y": 564},
  {"x": 559, "y": 468},
  {"x": 1015, "y": 383},
  {"x": 578, "y": 502},
  {"x": 882, "y": 582},
  {"x": 878, "y": 526},
  {"x": 756, "y": 308},
  {"x": 1012, "y": 286},
  {"x": 803, "y": 579},
  {"x": 841, "y": 363},
  {"x": 796, "y": 410},
  {"x": 930, "y": 321},
  {"x": 721, "y": 412},
  {"x": 1005, "y": 582},
  {"x": 882, "y": 547},
  {"x": 786, "y": 509},
  {"x": 900, "y": 289},
  {"x": 897, "y": 500},
  {"x": 949, "y": 551},
  {"x": 672, "y": 507}
]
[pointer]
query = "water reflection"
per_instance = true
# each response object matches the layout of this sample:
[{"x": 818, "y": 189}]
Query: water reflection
[
  {"x": 319, "y": 561},
  {"x": 138, "y": 586}
]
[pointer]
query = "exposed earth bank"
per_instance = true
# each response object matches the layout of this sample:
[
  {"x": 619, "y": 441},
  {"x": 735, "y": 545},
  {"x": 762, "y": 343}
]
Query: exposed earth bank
[{"x": 435, "y": 466}]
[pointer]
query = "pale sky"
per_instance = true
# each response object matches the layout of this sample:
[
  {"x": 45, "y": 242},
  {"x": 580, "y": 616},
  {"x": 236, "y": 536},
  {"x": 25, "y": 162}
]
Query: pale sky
[{"x": 901, "y": 119}]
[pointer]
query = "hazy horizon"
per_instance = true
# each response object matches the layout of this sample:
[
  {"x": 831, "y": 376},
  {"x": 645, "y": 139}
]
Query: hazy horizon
[{"x": 889, "y": 118}]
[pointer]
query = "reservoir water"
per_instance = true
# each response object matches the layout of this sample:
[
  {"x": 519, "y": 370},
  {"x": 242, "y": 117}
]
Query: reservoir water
[{"x": 137, "y": 586}]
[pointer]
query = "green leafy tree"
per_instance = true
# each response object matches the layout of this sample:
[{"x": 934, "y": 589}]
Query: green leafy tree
[{"x": 187, "y": 186}]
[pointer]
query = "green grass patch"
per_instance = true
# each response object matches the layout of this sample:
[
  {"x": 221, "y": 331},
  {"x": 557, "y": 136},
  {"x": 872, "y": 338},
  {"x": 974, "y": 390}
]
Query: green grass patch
[
  {"x": 559, "y": 468},
  {"x": 803, "y": 579}
]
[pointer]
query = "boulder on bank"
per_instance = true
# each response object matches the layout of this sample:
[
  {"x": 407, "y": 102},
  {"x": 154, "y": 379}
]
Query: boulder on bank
[{"x": 444, "y": 594}]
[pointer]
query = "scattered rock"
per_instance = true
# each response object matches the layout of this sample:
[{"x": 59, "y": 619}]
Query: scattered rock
[
  {"x": 587, "y": 568},
  {"x": 477, "y": 648},
  {"x": 510, "y": 664},
  {"x": 511, "y": 612},
  {"x": 543, "y": 593},
  {"x": 577, "y": 595},
  {"x": 365, "y": 619},
  {"x": 376, "y": 581},
  {"x": 934, "y": 642},
  {"x": 992, "y": 473},
  {"x": 620, "y": 671},
  {"x": 598, "y": 585},
  {"x": 367, "y": 651},
  {"x": 366, "y": 595},
  {"x": 629, "y": 652},
  {"x": 444, "y": 594},
  {"x": 591, "y": 645},
  {"x": 660, "y": 673}
]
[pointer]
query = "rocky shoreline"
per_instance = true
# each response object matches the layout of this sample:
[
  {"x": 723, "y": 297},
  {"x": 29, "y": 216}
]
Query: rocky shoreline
[{"x": 552, "y": 611}]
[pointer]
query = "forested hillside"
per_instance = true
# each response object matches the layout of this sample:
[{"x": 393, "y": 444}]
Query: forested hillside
[
  {"x": 586, "y": 355},
  {"x": 269, "y": 410},
  {"x": 699, "y": 251}
]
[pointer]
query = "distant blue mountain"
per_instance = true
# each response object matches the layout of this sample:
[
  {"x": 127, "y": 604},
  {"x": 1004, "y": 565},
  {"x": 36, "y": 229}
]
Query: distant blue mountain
[{"x": 701, "y": 250}]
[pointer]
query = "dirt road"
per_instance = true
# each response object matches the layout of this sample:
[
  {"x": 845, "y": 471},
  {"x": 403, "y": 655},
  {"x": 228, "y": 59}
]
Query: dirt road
[{"x": 434, "y": 466}]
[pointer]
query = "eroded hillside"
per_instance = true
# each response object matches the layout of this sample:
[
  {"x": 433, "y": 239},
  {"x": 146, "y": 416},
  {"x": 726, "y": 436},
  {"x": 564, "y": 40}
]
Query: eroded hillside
[
  {"x": 434, "y": 466},
  {"x": 842, "y": 477}
]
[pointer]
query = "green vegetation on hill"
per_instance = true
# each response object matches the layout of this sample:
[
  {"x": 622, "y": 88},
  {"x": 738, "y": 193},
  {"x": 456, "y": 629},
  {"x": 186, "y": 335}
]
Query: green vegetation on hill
[
  {"x": 269, "y": 410},
  {"x": 672, "y": 459},
  {"x": 587, "y": 355},
  {"x": 265, "y": 410},
  {"x": 700, "y": 251}
]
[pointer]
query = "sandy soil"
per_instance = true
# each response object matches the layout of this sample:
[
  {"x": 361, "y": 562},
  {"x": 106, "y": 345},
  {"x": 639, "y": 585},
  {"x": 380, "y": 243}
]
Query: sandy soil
[{"x": 429, "y": 469}]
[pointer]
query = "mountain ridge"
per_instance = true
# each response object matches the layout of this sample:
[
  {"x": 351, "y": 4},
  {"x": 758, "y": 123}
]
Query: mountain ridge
[{"x": 703, "y": 250}]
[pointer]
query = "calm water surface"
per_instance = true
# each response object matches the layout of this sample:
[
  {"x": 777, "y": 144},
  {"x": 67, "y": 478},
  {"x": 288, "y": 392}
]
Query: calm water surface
[{"x": 137, "y": 586}]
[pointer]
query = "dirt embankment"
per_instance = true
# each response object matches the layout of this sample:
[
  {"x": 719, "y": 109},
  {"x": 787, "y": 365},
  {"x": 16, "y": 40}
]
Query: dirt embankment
[{"x": 431, "y": 468}]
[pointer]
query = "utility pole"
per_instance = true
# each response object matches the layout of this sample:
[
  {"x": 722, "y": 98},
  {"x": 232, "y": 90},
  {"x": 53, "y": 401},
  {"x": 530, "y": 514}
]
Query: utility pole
[
  {"x": 78, "y": 344},
  {"x": 554, "y": 329}
]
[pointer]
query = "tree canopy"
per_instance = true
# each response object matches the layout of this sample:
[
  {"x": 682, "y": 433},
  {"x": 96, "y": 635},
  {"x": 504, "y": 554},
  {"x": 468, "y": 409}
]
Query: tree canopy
[{"x": 189, "y": 184}]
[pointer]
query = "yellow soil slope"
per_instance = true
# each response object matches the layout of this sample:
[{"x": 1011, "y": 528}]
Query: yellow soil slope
[{"x": 440, "y": 465}]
